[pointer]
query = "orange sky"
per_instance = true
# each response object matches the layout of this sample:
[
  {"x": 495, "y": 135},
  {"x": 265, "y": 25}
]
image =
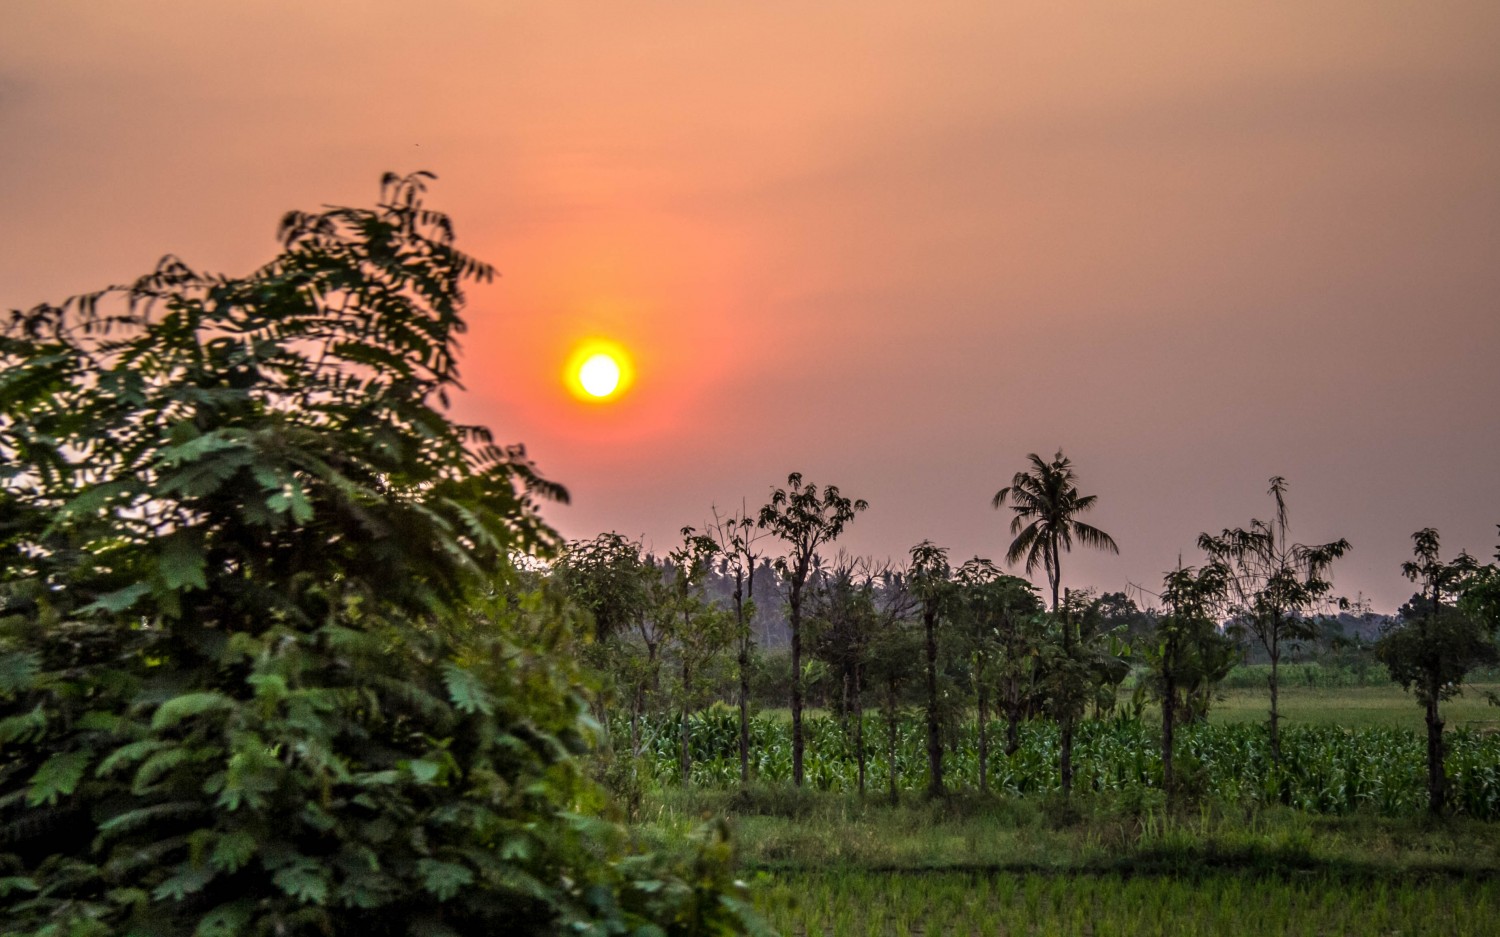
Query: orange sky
[{"x": 894, "y": 246}]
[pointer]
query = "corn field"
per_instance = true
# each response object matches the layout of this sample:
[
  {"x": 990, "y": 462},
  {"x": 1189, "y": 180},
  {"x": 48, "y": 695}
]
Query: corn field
[{"x": 1324, "y": 769}]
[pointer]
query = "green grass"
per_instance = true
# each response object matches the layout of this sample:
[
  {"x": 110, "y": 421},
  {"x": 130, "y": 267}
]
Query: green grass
[
  {"x": 830, "y": 864},
  {"x": 855, "y": 904},
  {"x": 1356, "y": 707},
  {"x": 1381, "y": 704},
  {"x": 781, "y": 829}
]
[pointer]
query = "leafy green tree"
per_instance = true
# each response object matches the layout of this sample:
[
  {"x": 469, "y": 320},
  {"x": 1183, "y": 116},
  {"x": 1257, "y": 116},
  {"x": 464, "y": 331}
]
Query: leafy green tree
[
  {"x": 992, "y": 616},
  {"x": 805, "y": 519},
  {"x": 737, "y": 536},
  {"x": 1046, "y": 502},
  {"x": 1435, "y": 643},
  {"x": 891, "y": 650},
  {"x": 1020, "y": 626},
  {"x": 1121, "y": 613},
  {"x": 1275, "y": 586},
  {"x": 265, "y": 667},
  {"x": 608, "y": 577},
  {"x": 1188, "y": 649},
  {"x": 1080, "y": 662}
]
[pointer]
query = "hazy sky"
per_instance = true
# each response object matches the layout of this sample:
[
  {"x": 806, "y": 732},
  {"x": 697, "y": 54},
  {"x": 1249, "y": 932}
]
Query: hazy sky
[{"x": 894, "y": 246}]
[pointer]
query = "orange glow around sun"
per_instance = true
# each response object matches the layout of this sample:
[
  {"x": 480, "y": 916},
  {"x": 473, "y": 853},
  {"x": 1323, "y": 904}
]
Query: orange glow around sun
[{"x": 598, "y": 370}]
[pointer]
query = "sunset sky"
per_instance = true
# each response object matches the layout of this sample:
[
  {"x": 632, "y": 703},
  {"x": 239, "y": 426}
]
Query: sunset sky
[{"x": 893, "y": 246}]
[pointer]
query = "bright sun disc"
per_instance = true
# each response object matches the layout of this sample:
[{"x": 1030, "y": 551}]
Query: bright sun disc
[
  {"x": 598, "y": 371},
  {"x": 600, "y": 375}
]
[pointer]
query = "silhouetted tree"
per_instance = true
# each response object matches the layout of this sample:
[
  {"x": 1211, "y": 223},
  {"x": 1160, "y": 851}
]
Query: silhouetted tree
[
  {"x": 805, "y": 519},
  {"x": 843, "y": 620},
  {"x": 1187, "y": 648},
  {"x": 699, "y": 629},
  {"x": 994, "y": 612},
  {"x": 930, "y": 582},
  {"x": 1274, "y": 586},
  {"x": 1435, "y": 643},
  {"x": 737, "y": 538},
  {"x": 1046, "y": 503}
]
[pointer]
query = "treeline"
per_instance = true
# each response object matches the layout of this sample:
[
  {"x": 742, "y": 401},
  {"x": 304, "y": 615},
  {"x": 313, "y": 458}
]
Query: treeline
[{"x": 968, "y": 643}]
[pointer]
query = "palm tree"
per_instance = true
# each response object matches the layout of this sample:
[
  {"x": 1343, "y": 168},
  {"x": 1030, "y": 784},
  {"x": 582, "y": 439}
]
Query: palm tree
[{"x": 1045, "y": 500}]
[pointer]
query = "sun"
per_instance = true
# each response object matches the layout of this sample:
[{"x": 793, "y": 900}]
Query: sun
[
  {"x": 600, "y": 375},
  {"x": 598, "y": 370}
]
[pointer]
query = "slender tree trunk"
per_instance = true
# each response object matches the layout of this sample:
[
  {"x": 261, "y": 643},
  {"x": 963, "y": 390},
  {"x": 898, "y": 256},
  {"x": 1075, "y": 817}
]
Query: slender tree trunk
[
  {"x": 1065, "y": 756},
  {"x": 744, "y": 712},
  {"x": 1168, "y": 723},
  {"x": 744, "y": 662},
  {"x": 1436, "y": 786},
  {"x": 1012, "y": 715},
  {"x": 859, "y": 732},
  {"x": 934, "y": 724},
  {"x": 984, "y": 737},
  {"x": 1275, "y": 681},
  {"x": 1065, "y": 750},
  {"x": 796, "y": 623},
  {"x": 637, "y": 704},
  {"x": 687, "y": 753},
  {"x": 651, "y": 665},
  {"x": 846, "y": 707},
  {"x": 1436, "y": 782},
  {"x": 890, "y": 736}
]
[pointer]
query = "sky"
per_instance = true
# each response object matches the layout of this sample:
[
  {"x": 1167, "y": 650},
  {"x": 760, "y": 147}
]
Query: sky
[{"x": 895, "y": 247}]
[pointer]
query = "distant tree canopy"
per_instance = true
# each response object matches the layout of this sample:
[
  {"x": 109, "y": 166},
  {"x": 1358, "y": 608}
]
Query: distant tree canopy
[{"x": 264, "y": 665}]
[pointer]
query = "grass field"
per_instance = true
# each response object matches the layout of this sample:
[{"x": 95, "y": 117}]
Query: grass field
[
  {"x": 833, "y": 865},
  {"x": 855, "y": 904},
  {"x": 1382, "y": 704},
  {"x": 1357, "y": 707}
]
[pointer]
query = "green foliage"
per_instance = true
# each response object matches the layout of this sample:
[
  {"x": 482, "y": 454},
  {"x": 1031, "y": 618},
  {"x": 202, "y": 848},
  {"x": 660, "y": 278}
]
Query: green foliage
[{"x": 265, "y": 667}]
